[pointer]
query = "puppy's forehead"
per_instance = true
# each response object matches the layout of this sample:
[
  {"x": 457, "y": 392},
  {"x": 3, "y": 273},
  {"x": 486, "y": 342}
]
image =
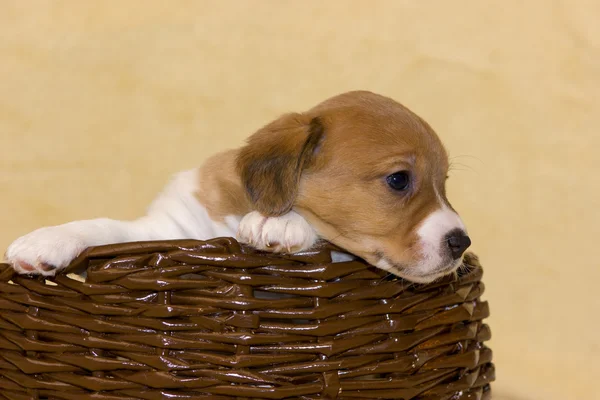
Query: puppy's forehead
[{"x": 375, "y": 128}]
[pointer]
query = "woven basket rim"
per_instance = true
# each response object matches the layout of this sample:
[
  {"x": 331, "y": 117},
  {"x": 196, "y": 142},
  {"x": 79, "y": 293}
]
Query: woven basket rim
[{"x": 470, "y": 259}]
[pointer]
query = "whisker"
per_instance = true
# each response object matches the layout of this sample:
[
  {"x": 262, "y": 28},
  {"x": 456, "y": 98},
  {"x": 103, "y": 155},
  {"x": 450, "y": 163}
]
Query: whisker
[
  {"x": 454, "y": 167},
  {"x": 386, "y": 277},
  {"x": 467, "y": 156}
]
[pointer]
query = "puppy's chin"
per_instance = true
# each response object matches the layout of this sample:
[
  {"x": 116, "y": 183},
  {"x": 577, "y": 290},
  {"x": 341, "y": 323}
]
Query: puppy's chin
[
  {"x": 418, "y": 266},
  {"x": 419, "y": 272}
]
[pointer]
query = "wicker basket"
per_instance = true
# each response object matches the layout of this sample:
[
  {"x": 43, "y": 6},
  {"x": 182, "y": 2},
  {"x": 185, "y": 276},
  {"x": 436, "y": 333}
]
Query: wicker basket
[{"x": 216, "y": 320}]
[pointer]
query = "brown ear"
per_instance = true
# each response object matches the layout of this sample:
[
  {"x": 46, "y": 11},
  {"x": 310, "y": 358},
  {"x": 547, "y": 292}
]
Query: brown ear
[{"x": 271, "y": 163}]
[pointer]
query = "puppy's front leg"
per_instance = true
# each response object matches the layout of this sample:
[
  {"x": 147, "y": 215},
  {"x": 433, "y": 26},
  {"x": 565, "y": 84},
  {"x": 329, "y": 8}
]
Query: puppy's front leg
[
  {"x": 288, "y": 233},
  {"x": 48, "y": 249},
  {"x": 174, "y": 214}
]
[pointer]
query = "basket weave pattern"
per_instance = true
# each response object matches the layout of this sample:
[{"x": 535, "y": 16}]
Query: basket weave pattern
[{"x": 215, "y": 320}]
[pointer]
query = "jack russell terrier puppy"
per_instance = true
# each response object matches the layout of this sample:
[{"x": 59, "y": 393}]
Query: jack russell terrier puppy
[{"x": 358, "y": 170}]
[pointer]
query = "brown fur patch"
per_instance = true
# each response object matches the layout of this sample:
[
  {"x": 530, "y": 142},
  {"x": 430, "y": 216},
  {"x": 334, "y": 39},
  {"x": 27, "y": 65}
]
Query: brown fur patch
[{"x": 221, "y": 190}]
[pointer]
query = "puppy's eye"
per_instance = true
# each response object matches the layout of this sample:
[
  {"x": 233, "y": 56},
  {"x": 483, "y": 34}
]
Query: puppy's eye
[{"x": 399, "y": 180}]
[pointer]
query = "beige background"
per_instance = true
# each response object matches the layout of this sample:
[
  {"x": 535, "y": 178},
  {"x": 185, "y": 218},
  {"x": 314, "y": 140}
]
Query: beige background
[{"x": 101, "y": 101}]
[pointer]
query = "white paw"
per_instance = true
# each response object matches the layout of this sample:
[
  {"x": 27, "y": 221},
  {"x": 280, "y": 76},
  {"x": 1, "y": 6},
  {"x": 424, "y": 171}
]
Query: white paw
[
  {"x": 45, "y": 251},
  {"x": 289, "y": 233}
]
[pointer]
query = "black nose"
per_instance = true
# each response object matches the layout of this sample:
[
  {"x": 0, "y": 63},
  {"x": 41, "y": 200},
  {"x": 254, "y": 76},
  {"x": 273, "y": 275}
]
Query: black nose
[{"x": 458, "y": 242}]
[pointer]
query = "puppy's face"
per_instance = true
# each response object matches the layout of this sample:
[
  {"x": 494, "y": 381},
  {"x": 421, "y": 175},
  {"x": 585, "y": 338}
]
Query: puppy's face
[{"x": 370, "y": 176}]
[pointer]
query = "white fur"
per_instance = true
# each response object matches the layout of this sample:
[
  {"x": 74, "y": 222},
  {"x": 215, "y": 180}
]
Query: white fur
[
  {"x": 174, "y": 214},
  {"x": 289, "y": 232},
  {"x": 432, "y": 232}
]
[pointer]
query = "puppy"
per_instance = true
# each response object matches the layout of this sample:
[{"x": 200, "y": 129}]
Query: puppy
[{"x": 358, "y": 170}]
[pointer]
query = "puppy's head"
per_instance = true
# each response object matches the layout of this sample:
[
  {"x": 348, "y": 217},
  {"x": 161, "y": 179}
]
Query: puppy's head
[{"x": 368, "y": 174}]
